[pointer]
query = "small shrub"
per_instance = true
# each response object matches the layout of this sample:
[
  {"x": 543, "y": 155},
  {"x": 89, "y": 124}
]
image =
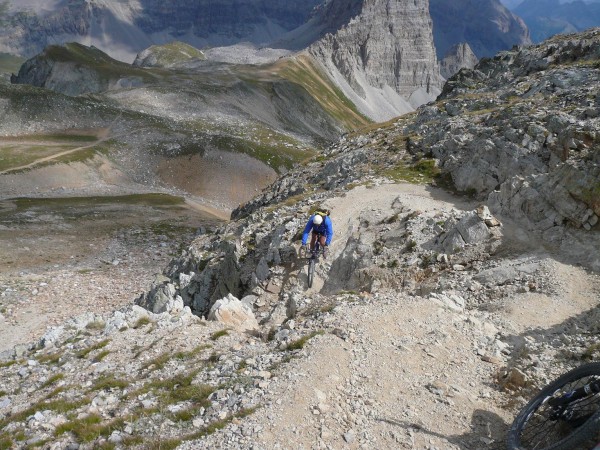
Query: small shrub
[
  {"x": 159, "y": 362},
  {"x": 142, "y": 321},
  {"x": 96, "y": 325},
  {"x": 192, "y": 353},
  {"x": 392, "y": 219},
  {"x": 107, "y": 383},
  {"x": 53, "y": 379},
  {"x": 411, "y": 245},
  {"x": 591, "y": 351},
  {"x": 86, "y": 351},
  {"x": 271, "y": 334},
  {"x": 217, "y": 334},
  {"x": 378, "y": 247},
  {"x": 214, "y": 357},
  {"x": 299, "y": 344},
  {"x": 100, "y": 356},
  {"x": 6, "y": 442},
  {"x": 51, "y": 358}
]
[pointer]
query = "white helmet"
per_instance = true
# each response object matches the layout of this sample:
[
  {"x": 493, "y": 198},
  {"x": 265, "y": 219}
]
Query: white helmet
[{"x": 318, "y": 219}]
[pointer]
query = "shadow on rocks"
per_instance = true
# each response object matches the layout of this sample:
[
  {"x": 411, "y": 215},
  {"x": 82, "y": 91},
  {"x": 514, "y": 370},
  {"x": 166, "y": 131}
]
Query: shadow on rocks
[{"x": 488, "y": 430}]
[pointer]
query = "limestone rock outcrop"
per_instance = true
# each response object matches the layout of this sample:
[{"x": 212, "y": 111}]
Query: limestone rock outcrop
[
  {"x": 380, "y": 53},
  {"x": 458, "y": 57},
  {"x": 232, "y": 312}
]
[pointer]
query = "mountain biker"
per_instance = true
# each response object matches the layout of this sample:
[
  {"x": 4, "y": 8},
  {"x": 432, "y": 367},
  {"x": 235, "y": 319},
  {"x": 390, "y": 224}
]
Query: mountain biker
[{"x": 321, "y": 227}]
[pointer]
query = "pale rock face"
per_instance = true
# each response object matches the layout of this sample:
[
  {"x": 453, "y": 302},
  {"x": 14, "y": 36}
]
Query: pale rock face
[
  {"x": 231, "y": 311},
  {"x": 458, "y": 57},
  {"x": 381, "y": 55}
]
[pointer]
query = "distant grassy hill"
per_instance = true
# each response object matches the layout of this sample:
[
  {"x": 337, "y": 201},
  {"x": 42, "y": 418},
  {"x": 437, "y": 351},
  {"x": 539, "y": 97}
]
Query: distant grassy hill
[{"x": 278, "y": 115}]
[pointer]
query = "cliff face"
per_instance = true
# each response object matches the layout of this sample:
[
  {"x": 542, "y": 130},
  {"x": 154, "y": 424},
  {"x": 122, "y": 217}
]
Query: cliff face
[
  {"x": 124, "y": 28},
  {"x": 486, "y": 25},
  {"x": 458, "y": 57},
  {"x": 382, "y": 54}
]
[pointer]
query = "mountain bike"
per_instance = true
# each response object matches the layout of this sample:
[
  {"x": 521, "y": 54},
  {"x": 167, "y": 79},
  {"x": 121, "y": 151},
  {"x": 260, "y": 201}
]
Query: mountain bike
[
  {"x": 313, "y": 259},
  {"x": 565, "y": 415}
]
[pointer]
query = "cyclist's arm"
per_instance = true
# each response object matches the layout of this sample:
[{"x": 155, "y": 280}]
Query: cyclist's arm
[
  {"x": 307, "y": 229},
  {"x": 329, "y": 226}
]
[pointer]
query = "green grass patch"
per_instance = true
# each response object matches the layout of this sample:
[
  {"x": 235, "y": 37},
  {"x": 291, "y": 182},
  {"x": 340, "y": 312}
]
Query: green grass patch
[
  {"x": 100, "y": 356},
  {"x": 303, "y": 71},
  {"x": 50, "y": 358},
  {"x": 423, "y": 171},
  {"x": 299, "y": 344},
  {"x": 141, "y": 322},
  {"x": 7, "y": 363},
  {"x": 94, "y": 59},
  {"x": 60, "y": 406},
  {"x": 219, "y": 334},
  {"x": 107, "y": 383},
  {"x": 151, "y": 199},
  {"x": 18, "y": 155},
  {"x": 53, "y": 379},
  {"x": 174, "y": 52},
  {"x": 53, "y": 393},
  {"x": 86, "y": 351},
  {"x": 182, "y": 355},
  {"x": 90, "y": 428},
  {"x": 96, "y": 325},
  {"x": 177, "y": 389},
  {"x": 159, "y": 362},
  {"x": 6, "y": 442},
  {"x": 172, "y": 443}
]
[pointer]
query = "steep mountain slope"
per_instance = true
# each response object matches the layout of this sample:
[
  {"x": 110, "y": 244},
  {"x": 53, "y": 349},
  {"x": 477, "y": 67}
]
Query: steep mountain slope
[
  {"x": 379, "y": 53},
  {"x": 218, "y": 116},
  {"x": 458, "y": 57},
  {"x": 487, "y": 26},
  {"x": 125, "y": 28},
  {"x": 545, "y": 18}
]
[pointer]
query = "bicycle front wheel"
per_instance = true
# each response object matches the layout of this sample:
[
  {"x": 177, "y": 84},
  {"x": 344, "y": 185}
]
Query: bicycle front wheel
[
  {"x": 537, "y": 427},
  {"x": 311, "y": 271}
]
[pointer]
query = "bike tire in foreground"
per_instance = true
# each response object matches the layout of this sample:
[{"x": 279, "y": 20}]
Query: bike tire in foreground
[{"x": 534, "y": 428}]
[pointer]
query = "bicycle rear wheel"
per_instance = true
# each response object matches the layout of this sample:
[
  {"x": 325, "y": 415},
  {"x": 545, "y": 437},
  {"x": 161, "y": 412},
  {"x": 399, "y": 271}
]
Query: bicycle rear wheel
[
  {"x": 311, "y": 271},
  {"x": 535, "y": 428}
]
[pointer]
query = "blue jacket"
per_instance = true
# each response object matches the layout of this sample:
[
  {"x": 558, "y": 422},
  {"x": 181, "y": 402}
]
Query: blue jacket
[{"x": 325, "y": 228}]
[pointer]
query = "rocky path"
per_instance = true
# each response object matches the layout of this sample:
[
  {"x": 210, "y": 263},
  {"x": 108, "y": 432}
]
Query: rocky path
[
  {"x": 393, "y": 370},
  {"x": 396, "y": 367}
]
